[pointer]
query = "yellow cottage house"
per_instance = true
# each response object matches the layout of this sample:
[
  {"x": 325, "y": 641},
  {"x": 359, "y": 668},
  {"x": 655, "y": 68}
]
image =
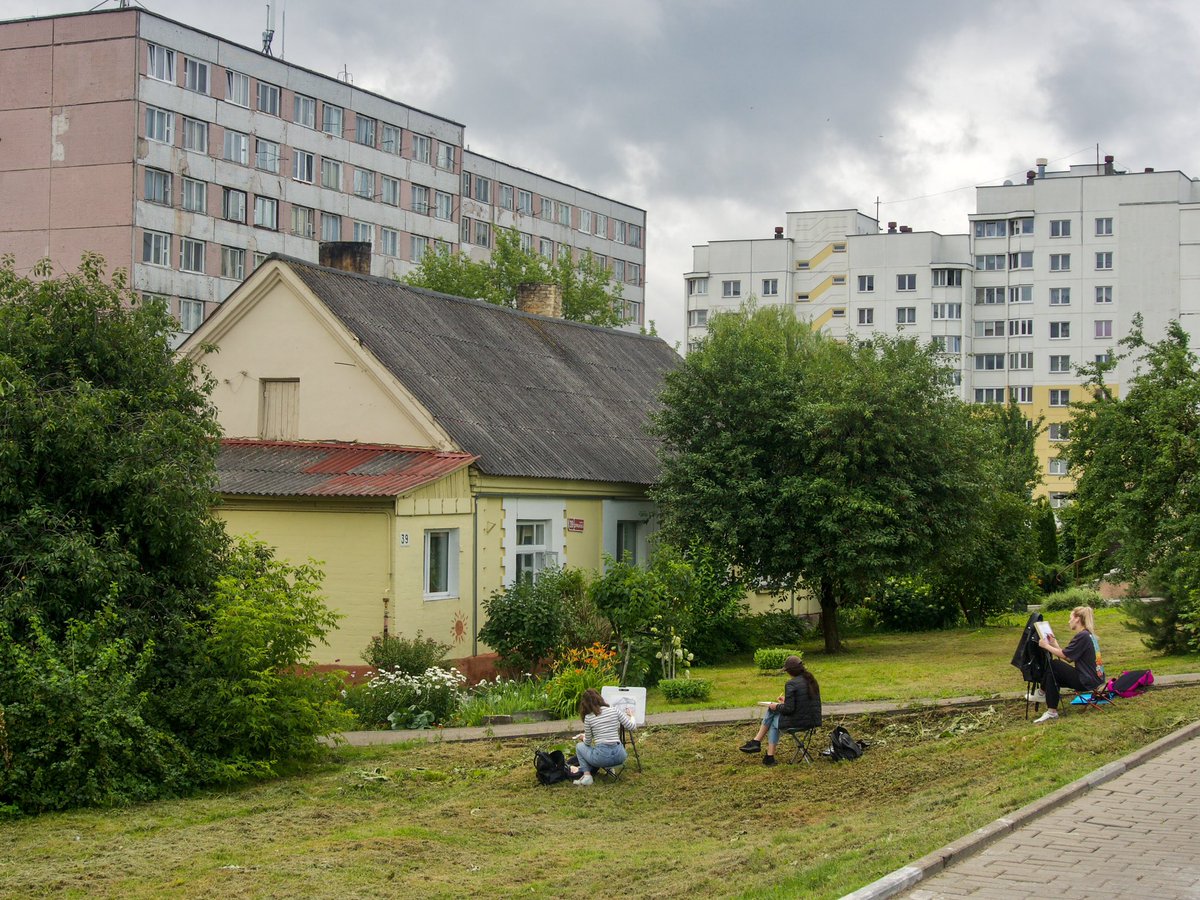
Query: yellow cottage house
[{"x": 425, "y": 449}]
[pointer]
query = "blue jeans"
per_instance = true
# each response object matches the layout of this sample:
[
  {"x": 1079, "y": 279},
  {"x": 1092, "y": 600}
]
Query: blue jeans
[
  {"x": 771, "y": 720},
  {"x": 602, "y": 756}
]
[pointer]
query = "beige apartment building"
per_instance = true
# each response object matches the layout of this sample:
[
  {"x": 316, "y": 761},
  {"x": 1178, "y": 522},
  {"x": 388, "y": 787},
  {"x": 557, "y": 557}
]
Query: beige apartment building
[{"x": 186, "y": 159}]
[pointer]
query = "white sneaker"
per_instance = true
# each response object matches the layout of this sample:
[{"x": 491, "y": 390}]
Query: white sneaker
[
  {"x": 1048, "y": 716},
  {"x": 584, "y": 781},
  {"x": 1038, "y": 696}
]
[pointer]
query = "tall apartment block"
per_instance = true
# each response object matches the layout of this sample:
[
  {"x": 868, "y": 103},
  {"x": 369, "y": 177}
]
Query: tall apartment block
[
  {"x": 186, "y": 159},
  {"x": 1049, "y": 277}
]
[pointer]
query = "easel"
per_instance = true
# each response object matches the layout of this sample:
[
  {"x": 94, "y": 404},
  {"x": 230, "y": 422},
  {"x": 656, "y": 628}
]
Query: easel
[{"x": 633, "y": 700}]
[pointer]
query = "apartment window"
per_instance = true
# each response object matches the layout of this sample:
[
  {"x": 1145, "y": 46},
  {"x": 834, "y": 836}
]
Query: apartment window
[
  {"x": 1021, "y": 394},
  {"x": 697, "y": 286},
  {"x": 1060, "y": 296},
  {"x": 266, "y": 156},
  {"x": 989, "y": 395},
  {"x": 525, "y": 202},
  {"x": 195, "y": 76},
  {"x": 331, "y": 120},
  {"x": 533, "y": 553},
  {"x": 1104, "y": 227},
  {"x": 838, "y": 313},
  {"x": 191, "y": 314},
  {"x": 585, "y": 221},
  {"x": 391, "y": 139},
  {"x": 233, "y": 205},
  {"x": 420, "y": 145},
  {"x": 443, "y": 205},
  {"x": 304, "y": 166},
  {"x": 1058, "y": 499},
  {"x": 418, "y": 247},
  {"x": 331, "y": 227},
  {"x": 547, "y": 209},
  {"x": 1103, "y": 328},
  {"x": 364, "y": 183},
  {"x": 237, "y": 88},
  {"x": 363, "y": 232},
  {"x": 1060, "y": 330},
  {"x": 420, "y": 199},
  {"x": 266, "y": 212},
  {"x": 233, "y": 263},
  {"x": 947, "y": 311},
  {"x": 990, "y": 229},
  {"x": 731, "y": 289},
  {"x": 389, "y": 242},
  {"x": 906, "y": 315},
  {"x": 390, "y": 193},
  {"x": 866, "y": 315},
  {"x": 1021, "y": 260},
  {"x": 1021, "y": 362},
  {"x": 483, "y": 190},
  {"x": 1020, "y": 327},
  {"x": 195, "y": 135},
  {"x": 618, "y": 270},
  {"x": 237, "y": 147},
  {"x": 364, "y": 131},
  {"x": 1020, "y": 226},
  {"x": 989, "y": 262},
  {"x": 331, "y": 174},
  {"x": 156, "y": 248},
  {"x": 191, "y": 255},
  {"x": 989, "y": 296},
  {"x": 564, "y": 218},
  {"x": 304, "y": 111},
  {"x": 1020, "y": 293},
  {"x": 1104, "y": 260},
  {"x": 483, "y": 235},
  {"x": 770, "y": 287},
  {"x": 989, "y": 329},
  {"x": 441, "y": 557},
  {"x": 195, "y": 195},
  {"x": 1059, "y": 466},
  {"x": 526, "y": 242},
  {"x": 445, "y": 157},
  {"x": 302, "y": 221},
  {"x": 1060, "y": 262},
  {"x": 697, "y": 318},
  {"x": 633, "y": 236},
  {"x": 268, "y": 98},
  {"x": 1060, "y": 363},
  {"x": 866, "y": 284},
  {"x": 1105, "y": 357},
  {"x": 160, "y": 63},
  {"x": 1060, "y": 397},
  {"x": 464, "y": 231},
  {"x": 546, "y": 248},
  {"x": 160, "y": 125},
  {"x": 1060, "y": 228},
  {"x": 601, "y": 226},
  {"x": 906, "y": 282},
  {"x": 158, "y": 187},
  {"x": 506, "y": 196},
  {"x": 1060, "y": 431},
  {"x": 1104, "y": 293},
  {"x": 947, "y": 343},
  {"x": 947, "y": 277},
  {"x": 989, "y": 362},
  {"x": 633, "y": 275}
]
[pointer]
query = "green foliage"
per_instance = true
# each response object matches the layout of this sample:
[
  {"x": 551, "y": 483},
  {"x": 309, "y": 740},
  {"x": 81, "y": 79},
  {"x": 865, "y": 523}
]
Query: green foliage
[
  {"x": 527, "y": 621},
  {"x": 679, "y": 690},
  {"x": 588, "y": 292},
  {"x": 774, "y": 626},
  {"x": 576, "y": 671},
  {"x": 583, "y": 624},
  {"x": 397, "y": 700},
  {"x": 909, "y": 603},
  {"x": 503, "y": 697},
  {"x": 1071, "y": 598},
  {"x": 770, "y": 659},
  {"x": 411, "y": 656},
  {"x": 1160, "y": 624}
]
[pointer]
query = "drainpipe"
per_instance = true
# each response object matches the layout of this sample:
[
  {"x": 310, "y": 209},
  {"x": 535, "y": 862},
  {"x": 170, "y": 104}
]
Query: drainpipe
[{"x": 475, "y": 576}]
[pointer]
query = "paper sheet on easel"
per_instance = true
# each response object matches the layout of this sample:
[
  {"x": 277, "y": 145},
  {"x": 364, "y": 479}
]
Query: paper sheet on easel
[{"x": 633, "y": 699}]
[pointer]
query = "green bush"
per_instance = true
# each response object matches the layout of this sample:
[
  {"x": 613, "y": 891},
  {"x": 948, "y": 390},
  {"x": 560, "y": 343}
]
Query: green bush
[
  {"x": 775, "y": 627},
  {"x": 574, "y": 672},
  {"x": 583, "y": 624},
  {"x": 412, "y": 656},
  {"x": 527, "y": 621},
  {"x": 910, "y": 604},
  {"x": 398, "y": 700},
  {"x": 503, "y": 697},
  {"x": 770, "y": 659},
  {"x": 683, "y": 689},
  {"x": 1071, "y": 598}
]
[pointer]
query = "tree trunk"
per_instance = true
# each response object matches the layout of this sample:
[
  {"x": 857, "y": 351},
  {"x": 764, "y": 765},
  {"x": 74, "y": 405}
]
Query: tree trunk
[{"x": 829, "y": 623}]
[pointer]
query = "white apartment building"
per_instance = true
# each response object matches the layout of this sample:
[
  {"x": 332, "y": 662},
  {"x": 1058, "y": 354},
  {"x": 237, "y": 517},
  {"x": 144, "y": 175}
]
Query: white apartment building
[
  {"x": 186, "y": 158},
  {"x": 1048, "y": 278}
]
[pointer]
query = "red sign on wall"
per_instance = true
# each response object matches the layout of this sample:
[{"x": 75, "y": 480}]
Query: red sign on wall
[{"x": 574, "y": 524}]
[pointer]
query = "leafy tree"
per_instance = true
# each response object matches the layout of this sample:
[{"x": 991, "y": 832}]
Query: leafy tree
[
  {"x": 588, "y": 292},
  {"x": 526, "y": 621},
  {"x": 804, "y": 459}
]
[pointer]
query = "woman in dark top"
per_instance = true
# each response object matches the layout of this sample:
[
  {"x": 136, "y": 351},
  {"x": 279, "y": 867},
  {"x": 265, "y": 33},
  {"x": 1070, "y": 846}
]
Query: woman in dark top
[
  {"x": 1084, "y": 675},
  {"x": 798, "y": 707}
]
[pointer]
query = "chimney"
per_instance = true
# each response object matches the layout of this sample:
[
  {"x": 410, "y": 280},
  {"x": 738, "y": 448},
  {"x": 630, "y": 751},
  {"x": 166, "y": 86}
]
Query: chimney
[
  {"x": 905, "y": 229},
  {"x": 1148, "y": 170},
  {"x": 891, "y": 227},
  {"x": 349, "y": 256},
  {"x": 1108, "y": 165},
  {"x": 540, "y": 298},
  {"x": 1029, "y": 176},
  {"x": 778, "y": 232},
  {"x": 1041, "y": 164}
]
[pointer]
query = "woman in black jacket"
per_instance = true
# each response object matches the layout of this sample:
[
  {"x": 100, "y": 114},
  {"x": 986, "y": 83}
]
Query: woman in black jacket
[{"x": 798, "y": 707}]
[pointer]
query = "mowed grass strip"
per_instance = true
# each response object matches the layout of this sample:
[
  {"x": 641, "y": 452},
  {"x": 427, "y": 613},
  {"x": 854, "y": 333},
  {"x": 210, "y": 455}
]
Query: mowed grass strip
[{"x": 463, "y": 820}]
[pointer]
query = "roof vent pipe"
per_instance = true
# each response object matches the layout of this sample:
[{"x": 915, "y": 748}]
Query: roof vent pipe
[
  {"x": 1041, "y": 164},
  {"x": 1148, "y": 170},
  {"x": 905, "y": 229},
  {"x": 891, "y": 227},
  {"x": 778, "y": 232},
  {"x": 1108, "y": 165},
  {"x": 1029, "y": 176}
]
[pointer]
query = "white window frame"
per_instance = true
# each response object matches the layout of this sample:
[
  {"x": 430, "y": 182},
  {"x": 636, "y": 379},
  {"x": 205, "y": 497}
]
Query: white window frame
[
  {"x": 331, "y": 174},
  {"x": 1020, "y": 293},
  {"x": 331, "y": 227},
  {"x": 266, "y": 156},
  {"x": 191, "y": 314},
  {"x": 1104, "y": 226},
  {"x": 267, "y": 98},
  {"x": 906, "y": 315},
  {"x": 1060, "y": 397},
  {"x": 233, "y": 205},
  {"x": 1104, "y": 293},
  {"x": 866, "y": 315},
  {"x": 447, "y": 570},
  {"x": 237, "y": 88},
  {"x": 389, "y": 241},
  {"x": 697, "y": 318},
  {"x": 304, "y": 166},
  {"x": 236, "y": 147},
  {"x": 770, "y": 287},
  {"x": 233, "y": 263},
  {"x": 1060, "y": 262},
  {"x": 332, "y": 119},
  {"x": 731, "y": 288},
  {"x": 866, "y": 284},
  {"x": 1104, "y": 261},
  {"x": 443, "y": 206},
  {"x": 525, "y": 202},
  {"x": 364, "y": 183},
  {"x": 193, "y": 128},
  {"x": 160, "y": 125},
  {"x": 1020, "y": 361},
  {"x": 1059, "y": 431},
  {"x": 160, "y": 63},
  {"x": 156, "y": 248},
  {"x": 389, "y": 191},
  {"x": 1060, "y": 363},
  {"x": 1060, "y": 228},
  {"x": 266, "y": 212},
  {"x": 420, "y": 148},
  {"x": 1022, "y": 394},
  {"x": 989, "y": 296},
  {"x": 363, "y": 232},
  {"x": 1060, "y": 296},
  {"x": 303, "y": 221},
  {"x": 304, "y": 111},
  {"x": 697, "y": 287},
  {"x": 1060, "y": 331},
  {"x": 158, "y": 187},
  {"x": 990, "y": 395},
  {"x": 989, "y": 362},
  {"x": 1021, "y": 259},
  {"x": 946, "y": 311},
  {"x": 419, "y": 198},
  {"x": 418, "y": 246},
  {"x": 194, "y": 195},
  {"x": 445, "y": 157},
  {"x": 1103, "y": 329},
  {"x": 191, "y": 253},
  {"x": 196, "y": 75},
  {"x": 391, "y": 139},
  {"x": 1060, "y": 467},
  {"x": 1020, "y": 327},
  {"x": 906, "y": 282},
  {"x": 365, "y": 130}
]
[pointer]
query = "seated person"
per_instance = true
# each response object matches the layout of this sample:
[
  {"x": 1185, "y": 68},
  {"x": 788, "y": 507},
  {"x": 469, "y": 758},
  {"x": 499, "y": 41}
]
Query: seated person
[
  {"x": 600, "y": 745},
  {"x": 1083, "y": 651},
  {"x": 798, "y": 708}
]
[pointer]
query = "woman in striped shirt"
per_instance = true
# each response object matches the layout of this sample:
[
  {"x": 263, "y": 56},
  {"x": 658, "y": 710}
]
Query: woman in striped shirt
[{"x": 600, "y": 745}]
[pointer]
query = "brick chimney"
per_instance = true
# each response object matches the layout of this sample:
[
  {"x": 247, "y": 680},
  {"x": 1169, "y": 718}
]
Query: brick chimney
[
  {"x": 540, "y": 298},
  {"x": 349, "y": 256}
]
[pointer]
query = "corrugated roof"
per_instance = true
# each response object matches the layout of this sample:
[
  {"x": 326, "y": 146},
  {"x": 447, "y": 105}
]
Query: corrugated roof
[
  {"x": 529, "y": 395},
  {"x": 301, "y": 469}
]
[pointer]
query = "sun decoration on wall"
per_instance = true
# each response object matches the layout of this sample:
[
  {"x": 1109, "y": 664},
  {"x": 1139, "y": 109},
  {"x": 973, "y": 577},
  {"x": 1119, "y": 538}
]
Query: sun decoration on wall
[{"x": 458, "y": 628}]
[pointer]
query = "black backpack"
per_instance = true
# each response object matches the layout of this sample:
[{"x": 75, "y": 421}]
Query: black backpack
[
  {"x": 842, "y": 746},
  {"x": 551, "y": 768}
]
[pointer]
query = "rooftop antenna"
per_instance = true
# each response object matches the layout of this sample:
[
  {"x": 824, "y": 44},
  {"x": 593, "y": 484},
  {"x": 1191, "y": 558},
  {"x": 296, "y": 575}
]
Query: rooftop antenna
[
  {"x": 269, "y": 34},
  {"x": 283, "y": 29},
  {"x": 345, "y": 75}
]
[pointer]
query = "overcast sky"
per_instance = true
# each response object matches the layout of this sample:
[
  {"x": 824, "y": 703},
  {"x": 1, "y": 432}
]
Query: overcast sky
[{"x": 718, "y": 117}]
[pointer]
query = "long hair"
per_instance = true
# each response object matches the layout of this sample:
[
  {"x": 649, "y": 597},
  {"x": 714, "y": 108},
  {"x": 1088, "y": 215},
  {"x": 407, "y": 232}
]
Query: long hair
[
  {"x": 590, "y": 703},
  {"x": 794, "y": 666},
  {"x": 1086, "y": 617}
]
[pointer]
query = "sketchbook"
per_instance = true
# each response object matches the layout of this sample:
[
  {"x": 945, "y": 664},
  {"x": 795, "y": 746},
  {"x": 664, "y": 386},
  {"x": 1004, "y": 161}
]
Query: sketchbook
[{"x": 1043, "y": 629}]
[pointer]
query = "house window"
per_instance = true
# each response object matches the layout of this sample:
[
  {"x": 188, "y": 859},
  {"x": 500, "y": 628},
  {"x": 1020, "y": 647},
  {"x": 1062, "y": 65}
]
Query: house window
[
  {"x": 697, "y": 318},
  {"x": 906, "y": 315},
  {"x": 1104, "y": 260},
  {"x": 947, "y": 343},
  {"x": 1060, "y": 431},
  {"x": 195, "y": 76},
  {"x": 989, "y": 296},
  {"x": 1020, "y": 327},
  {"x": 525, "y": 202},
  {"x": 1021, "y": 260},
  {"x": 1104, "y": 293},
  {"x": 627, "y": 540},
  {"x": 443, "y": 205},
  {"x": 195, "y": 135},
  {"x": 364, "y": 131},
  {"x": 1020, "y": 226},
  {"x": 1060, "y": 228},
  {"x": 158, "y": 187},
  {"x": 1104, "y": 227},
  {"x": 1060, "y": 262},
  {"x": 989, "y": 362},
  {"x": 1021, "y": 362},
  {"x": 1104, "y": 328},
  {"x": 331, "y": 227},
  {"x": 391, "y": 140},
  {"x": 191, "y": 314},
  {"x": 420, "y": 145},
  {"x": 302, "y": 221},
  {"x": 1021, "y": 394},
  {"x": 947, "y": 277},
  {"x": 1060, "y": 397},
  {"x": 304, "y": 166},
  {"x": 731, "y": 288},
  {"x": 191, "y": 255},
  {"x": 1020, "y": 293},
  {"x": 331, "y": 120},
  {"x": 866, "y": 284},
  {"x": 156, "y": 248},
  {"x": 266, "y": 212},
  {"x": 526, "y": 242},
  {"x": 364, "y": 183},
  {"x": 237, "y": 147},
  {"x": 906, "y": 282},
  {"x": 389, "y": 242},
  {"x": 420, "y": 199},
  {"x": 989, "y": 395},
  {"x": 1059, "y": 467},
  {"x": 947, "y": 311},
  {"x": 1059, "y": 330},
  {"x": 160, "y": 125},
  {"x": 445, "y": 157},
  {"x": 237, "y": 88},
  {"x": 391, "y": 191},
  {"x": 866, "y": 315},
  {"x": 990, "y": 229},
  {"x": 533, "y": 554},
  {"x": 279, "y": 409},
  {"x": 989, "y": 262},
  {"x": 1060, "y": 296},
  {"x": 1060, "y": 363},
  {"x": 233, "y": 205},
  {"x": 266, "y": 156},
  {"x": 989, "y": 328},
  {"x": 195, "y": 195},
  {"x": 233, "y": 263},
  {"x": 331, "y": 174},
  {"x": 506, "y": 196},
  {"x": 697, "y": 286},
  {"x": 770, "y": 287},
  {"x": 363, "y": 232},
  {"x": 268, "y": 98},
  {"x": 304, "y": 111},
  {"x": 160, "y": 63},
  {"x": 546, "y": 248},
  {"x": 441, "y": 554},
  {"x": 483, "y": 235},
  {"x": 1058, "y": 499},
  {"x": 483, "y": 190}
]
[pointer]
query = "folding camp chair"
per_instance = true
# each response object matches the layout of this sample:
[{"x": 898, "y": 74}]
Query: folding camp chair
[
  {"x": 613, "y": 773},
  {"x": 801, "y": 737}
]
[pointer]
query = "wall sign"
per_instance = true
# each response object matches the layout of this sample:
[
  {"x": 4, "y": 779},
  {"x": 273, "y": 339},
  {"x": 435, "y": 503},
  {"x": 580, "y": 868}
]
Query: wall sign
[
  {"x": 575, "y": 525},
  {"x": 404, "y": 539}
]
